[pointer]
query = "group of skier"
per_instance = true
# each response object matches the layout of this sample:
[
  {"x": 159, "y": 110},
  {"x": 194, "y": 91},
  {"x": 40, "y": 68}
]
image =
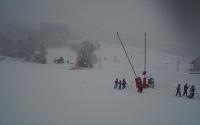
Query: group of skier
[
  {"x": 185, "y": 90},
  {"x": 120, "y": 84},
  {"x": 140, "y": 85}
]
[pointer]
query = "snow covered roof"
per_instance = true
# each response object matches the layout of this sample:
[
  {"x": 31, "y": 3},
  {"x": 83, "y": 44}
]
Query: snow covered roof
[{"x": 196, "y": 60}]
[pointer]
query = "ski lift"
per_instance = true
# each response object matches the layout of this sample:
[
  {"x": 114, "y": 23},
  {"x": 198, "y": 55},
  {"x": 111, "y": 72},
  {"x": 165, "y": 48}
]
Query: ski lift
[
  {"x": 145, "y": 83},
  {"x": 138, "y": 80}
]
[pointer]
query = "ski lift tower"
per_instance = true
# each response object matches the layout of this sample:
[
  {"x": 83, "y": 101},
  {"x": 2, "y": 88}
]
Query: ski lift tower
[{"x": 138, "y": 80}]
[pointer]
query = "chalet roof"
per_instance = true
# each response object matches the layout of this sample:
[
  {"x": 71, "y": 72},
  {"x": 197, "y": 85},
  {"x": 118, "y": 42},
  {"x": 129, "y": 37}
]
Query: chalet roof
[{"x": 196, "y": 60}]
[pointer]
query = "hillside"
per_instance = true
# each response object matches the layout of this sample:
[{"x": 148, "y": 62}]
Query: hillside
[{"x": 39, "y": 94}]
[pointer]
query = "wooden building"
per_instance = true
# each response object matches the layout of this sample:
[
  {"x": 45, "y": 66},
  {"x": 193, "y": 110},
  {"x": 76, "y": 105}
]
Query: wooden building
[{"x": 195, "y": 65}]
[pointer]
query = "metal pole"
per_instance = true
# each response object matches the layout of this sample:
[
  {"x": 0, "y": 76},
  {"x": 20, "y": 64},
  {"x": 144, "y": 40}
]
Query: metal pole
[
  {"x": 126, "y": 55},
  {"x": 145, "y": 53},
  {"x": 178, "y": 62},
  {"x": 100, "y": 63}
]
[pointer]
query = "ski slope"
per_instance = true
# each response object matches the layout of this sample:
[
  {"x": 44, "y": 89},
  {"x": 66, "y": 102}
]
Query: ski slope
[{"x": 36, "y": 94}]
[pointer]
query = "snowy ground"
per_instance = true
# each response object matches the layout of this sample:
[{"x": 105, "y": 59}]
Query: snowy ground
[{"x": 52, "y": 94}]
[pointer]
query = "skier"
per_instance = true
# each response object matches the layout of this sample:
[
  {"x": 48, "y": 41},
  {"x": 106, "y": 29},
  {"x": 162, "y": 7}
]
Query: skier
[
  {"x": 185, "y": 89},
  {"x": 140, "y": 87},
  {"x": 151, "y": 82},
  {"x": 124, "y": 83},
  {"x": 120, "y": 84},
  {"x": 192, "y": 90},
  {"x": 178, "y": 90},
  {"x": 139, "y": 84},
  {"x": 116, "y": 83}
]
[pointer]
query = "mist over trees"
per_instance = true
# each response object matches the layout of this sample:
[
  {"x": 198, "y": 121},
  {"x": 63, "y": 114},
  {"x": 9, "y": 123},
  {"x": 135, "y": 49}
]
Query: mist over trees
[
  {"x": 29, "y": 43},
  {"x": 54, "y": 35}
]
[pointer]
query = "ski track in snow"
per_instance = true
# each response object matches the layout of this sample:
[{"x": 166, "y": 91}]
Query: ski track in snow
[{"x": 52, "y": 94}]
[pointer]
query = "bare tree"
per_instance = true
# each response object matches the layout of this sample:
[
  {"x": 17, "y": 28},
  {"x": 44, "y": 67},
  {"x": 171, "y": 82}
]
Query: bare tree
[{"x": 86, "y": 54}]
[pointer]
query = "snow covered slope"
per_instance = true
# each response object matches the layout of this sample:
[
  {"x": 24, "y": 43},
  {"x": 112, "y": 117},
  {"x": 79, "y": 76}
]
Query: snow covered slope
[{"x": 53, "y": 94}]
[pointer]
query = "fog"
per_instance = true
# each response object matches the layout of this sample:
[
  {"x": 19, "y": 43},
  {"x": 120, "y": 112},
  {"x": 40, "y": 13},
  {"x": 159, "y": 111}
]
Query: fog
[
  {"x": 44, "y": 82},
  {"x": 171, "y": 25}
]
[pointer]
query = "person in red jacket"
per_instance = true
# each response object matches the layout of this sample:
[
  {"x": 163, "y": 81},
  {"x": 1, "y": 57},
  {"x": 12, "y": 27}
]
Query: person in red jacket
[
  {"x": 140, "y": 87},
  {"x": 139, "y": 84}
]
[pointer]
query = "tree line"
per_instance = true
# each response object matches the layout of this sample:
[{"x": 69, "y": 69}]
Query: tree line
[{"x": 29, "y": 43}]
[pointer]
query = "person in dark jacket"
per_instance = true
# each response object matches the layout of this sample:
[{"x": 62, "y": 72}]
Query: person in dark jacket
[
  {"x": 120, "y": 84},
  {"x": 116, "y": 83},
  {"x": 192, "y": 90},
  {"x": 185, "y": 89},
  {"x": 124, "y": 83},
  {"x": 178, "y": 90}
]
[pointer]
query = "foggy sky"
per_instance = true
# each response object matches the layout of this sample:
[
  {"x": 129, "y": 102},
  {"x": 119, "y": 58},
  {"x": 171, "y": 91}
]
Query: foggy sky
[{"x": 171, "y": 25}]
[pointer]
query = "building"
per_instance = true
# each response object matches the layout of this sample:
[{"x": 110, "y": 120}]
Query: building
[{"x": 195, "y": 65}]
